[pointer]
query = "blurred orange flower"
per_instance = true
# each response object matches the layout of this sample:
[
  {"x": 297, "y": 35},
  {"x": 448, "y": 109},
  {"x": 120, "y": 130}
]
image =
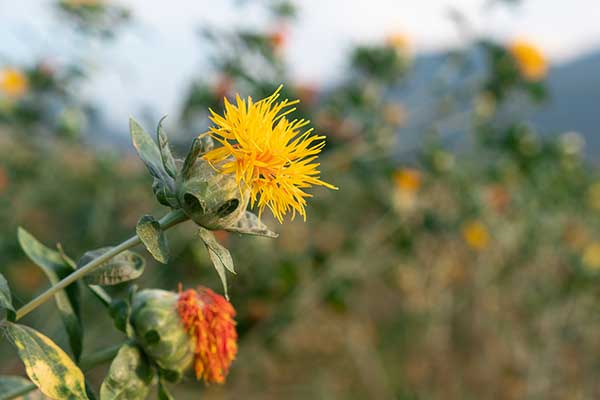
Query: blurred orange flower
[
  {"x": 407, "y": 179},
  {"x": 209, "y": 318},
  {"x": 13, "y": 82},
  {"x": 476, "y": 235},
  {"x": 530, "y": 60}
]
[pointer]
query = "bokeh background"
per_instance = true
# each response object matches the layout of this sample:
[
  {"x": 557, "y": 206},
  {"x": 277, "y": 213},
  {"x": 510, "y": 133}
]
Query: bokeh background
[{"x": 460, "y": 258}]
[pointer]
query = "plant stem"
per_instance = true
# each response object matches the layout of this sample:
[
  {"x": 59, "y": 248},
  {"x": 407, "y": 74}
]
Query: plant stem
[
  {"x": 169, "y": 220},
  {"x": 89, "y": 362}
]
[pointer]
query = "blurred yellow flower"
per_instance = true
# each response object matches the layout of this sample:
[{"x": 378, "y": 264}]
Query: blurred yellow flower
[
  {"x": 400, "y": 42},
  {"x": 476, "y": 235},
  {"x": 530, "y": 60},
  {"x": 591, "y": 256},
  {"x": 268, "y": 153},
  {"x": 13, "y": 82}
]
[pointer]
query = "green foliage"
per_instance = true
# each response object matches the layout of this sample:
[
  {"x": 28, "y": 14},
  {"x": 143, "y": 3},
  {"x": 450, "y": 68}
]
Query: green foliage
[
  {"x": 6, "y": 305},
  {"x": 10, "y": 386},
  {"x": 124, "y": 267},
  {"x": 56, "y": 268},
  {"x": 154, "y": 239},
  {"x": 219, "y": 255},
  {"x": 50, "y": 368},
  {"x": 129, "y": 376}
]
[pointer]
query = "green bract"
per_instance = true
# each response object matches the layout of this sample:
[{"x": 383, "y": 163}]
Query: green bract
[{"x": 160, "y": 332}]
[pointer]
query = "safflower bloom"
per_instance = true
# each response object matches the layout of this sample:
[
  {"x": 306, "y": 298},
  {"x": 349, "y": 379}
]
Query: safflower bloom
[
  {"x": 530, "y": 60},
  {"x": 476, "y": 235},
  {"x": 13, "y": 82},
  {"x": 209, "y": 318},
  {"x": 269, "y": 154}
]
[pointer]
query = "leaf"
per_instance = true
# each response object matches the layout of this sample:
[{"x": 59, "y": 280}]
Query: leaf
[
  {"x": 148, "y": 151},
  {"x": 11, "y": 386},
  {"x": 219, "y": 255},
  {"x": 49, "y": 367},
  {"x": 163, "y": 392},
  {"x": 6, "y": 299},
  {"x": 249, "y": 224},
  {"x": 168, "y": 160},
  {"x": 151, "y": 234},
  {"x": 123, "y": 267},
  {"x": 200, "y": 145},
  {"x": 67, "y": 300},
  {"x": 129, "y": 376}
]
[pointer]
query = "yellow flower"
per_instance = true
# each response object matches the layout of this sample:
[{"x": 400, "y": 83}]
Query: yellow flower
[
  {"x": 13, "y": 82},
  {"x": 476, "y": 235},
  {"x": 407, "y": 180},
  {"x": 591, "y": 256},
  {"x": 530, "y": 60},
  {"x": 400, "y": 42},
  {"x": 268, "y": 153}
]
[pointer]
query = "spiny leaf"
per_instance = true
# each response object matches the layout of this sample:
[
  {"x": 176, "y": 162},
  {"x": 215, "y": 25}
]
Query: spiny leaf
[
  {"x": 129, "y": 376},
  {"x": 165, "y": 151},
  {"x": 150, "y": 233},
  {"x": 67, "y": 300},
  {"x": 123, "y": 267},
  {"x": 11, "y": 386},
  {"x": 50, "y": 368},
  {"x": 249, "y": 224},
  {"x": 200, "y": 145},
  {"x": 219, "y": 255},
  {"x": 6, "y": 299}
]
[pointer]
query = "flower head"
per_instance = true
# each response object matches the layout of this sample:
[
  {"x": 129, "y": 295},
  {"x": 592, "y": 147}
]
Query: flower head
[
  {"x": 268, "y": 153},
  {"x": 208, "y": 317},
  {"x": 530, "y": 60},
  {"x": 13, "y": 82},
  {"x": 476, "y": 235}
]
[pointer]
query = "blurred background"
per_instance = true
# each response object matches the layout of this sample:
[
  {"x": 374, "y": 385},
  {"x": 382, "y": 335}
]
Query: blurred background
[{"x": 460, "y": 258}]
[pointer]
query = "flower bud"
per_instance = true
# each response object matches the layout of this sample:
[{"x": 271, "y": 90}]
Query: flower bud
[
  {"x": 195, "y": 327},
  {"x": 160, "y": 332},
  {"x": 211, "y": 199}
]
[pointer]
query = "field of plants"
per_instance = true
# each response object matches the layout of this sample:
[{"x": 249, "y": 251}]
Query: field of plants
[{"x": 347, "y": 246}]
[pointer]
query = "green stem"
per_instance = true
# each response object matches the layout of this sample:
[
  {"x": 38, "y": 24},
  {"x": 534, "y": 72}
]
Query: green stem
[
  {"x": 171, "y": 219},
  {"x": 87, "y": 363}
]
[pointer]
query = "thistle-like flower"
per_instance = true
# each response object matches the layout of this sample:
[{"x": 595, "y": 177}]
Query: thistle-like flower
[
  {"x": 530, "y": 60},
  {"x": 208, "y": 318},
  {"x": 269, "y": 154}
]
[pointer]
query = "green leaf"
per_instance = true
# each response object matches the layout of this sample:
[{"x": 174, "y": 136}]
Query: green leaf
[
  {"x": 163, "y": 392},
  {"x": 165, "y": 151},
  {"x": 123, "y": 267},
  {"x": 49, "y": 367},
  {"x": 219, "y": 255},
  {"x": 11, "y": 386},
  {"x": 249, "y": 224},
  {"x": 150, "y": 233},
  {"x": 129, "y": 376},
  {"x": 200, "y": 145},
  {"x": 67, "y": 300},
  {"x": 6, "y": 299}
]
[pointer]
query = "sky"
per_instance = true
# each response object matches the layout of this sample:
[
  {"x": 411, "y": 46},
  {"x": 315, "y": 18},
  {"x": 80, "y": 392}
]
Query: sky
[{"x": 154, "y": 59}]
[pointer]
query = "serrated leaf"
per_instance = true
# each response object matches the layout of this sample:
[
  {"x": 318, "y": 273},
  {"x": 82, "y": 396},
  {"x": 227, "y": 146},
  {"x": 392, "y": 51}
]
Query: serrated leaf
[
  {"x": 123, "y": 267},
  {"x": 163, "y": 392},
  {"x": 168, "y": 160},
  {"x": 249, "y": 224},
  {"x": 129, "y": 376},
  {"x": 46, "y": 364},
  {"x": 11, "y": 386},
  {"x": 153, "y": 237},
  {"x": 6, "y": 299},
  {"x": 67, "y": 300},
  {"x": 219, "y": 255}
]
